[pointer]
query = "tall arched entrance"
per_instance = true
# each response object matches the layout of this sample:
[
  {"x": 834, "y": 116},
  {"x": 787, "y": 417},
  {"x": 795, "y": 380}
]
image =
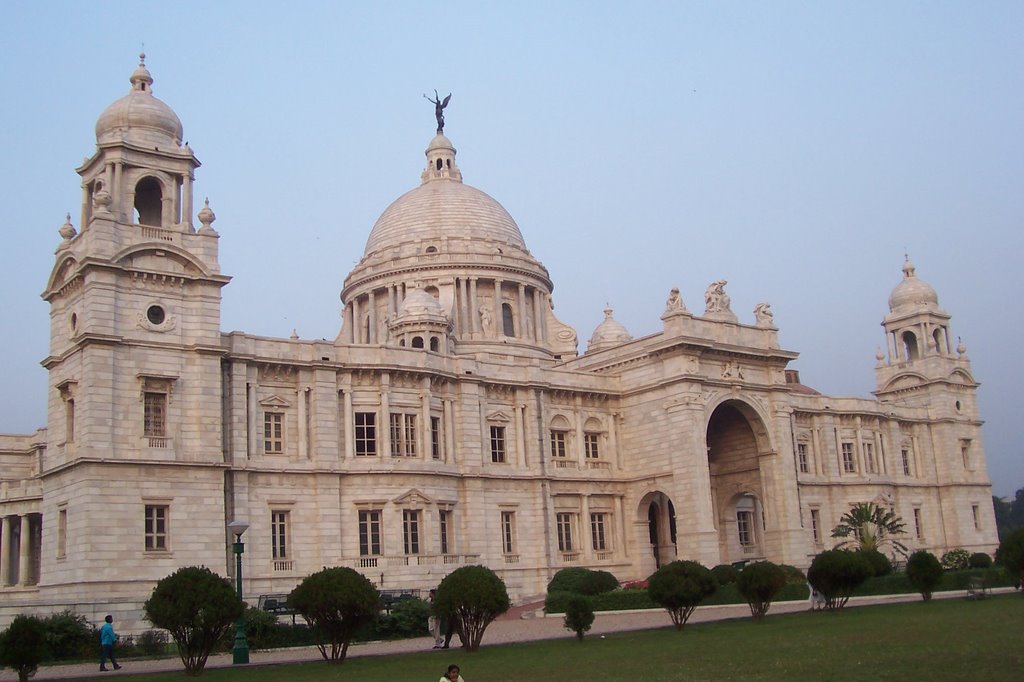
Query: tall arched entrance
[
  {"x": 657, "y": 516},
  {"x": 736, "y": 436}
]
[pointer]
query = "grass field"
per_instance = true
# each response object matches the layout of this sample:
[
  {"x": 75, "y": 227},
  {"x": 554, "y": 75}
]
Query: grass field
[{"x": 943, "y": 640}]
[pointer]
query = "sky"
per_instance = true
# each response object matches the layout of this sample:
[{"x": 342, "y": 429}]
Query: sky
[{"x": 796, "y": 149}]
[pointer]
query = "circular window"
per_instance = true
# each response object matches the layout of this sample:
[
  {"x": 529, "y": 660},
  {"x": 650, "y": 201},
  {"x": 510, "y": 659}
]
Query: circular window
[{"x": 155, "y": 315}]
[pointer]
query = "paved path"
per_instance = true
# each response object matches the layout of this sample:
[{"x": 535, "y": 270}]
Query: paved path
[{"x": 522, "y": 624}]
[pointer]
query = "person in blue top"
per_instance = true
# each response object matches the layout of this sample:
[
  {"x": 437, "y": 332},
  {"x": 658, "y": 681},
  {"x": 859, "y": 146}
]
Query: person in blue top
[{"x": 107, "y": 639}]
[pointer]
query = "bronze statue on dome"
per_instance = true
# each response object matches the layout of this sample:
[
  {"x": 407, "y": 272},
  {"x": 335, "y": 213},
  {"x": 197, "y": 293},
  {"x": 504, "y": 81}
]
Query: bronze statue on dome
[{"x": 439, "y": 105}]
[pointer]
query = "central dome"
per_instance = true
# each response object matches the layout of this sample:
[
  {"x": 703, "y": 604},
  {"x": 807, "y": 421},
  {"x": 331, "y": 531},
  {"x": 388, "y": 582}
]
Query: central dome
[
  {"x": 443, "y": 207},
  {"x": 139, "y": 116}
]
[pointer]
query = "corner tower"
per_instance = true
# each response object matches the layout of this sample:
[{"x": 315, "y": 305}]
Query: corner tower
[{"x": 461, "y": 247}]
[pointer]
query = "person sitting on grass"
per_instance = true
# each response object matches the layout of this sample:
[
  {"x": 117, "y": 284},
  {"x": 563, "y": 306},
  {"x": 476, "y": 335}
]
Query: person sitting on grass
[{"x": 452, "y": 675}]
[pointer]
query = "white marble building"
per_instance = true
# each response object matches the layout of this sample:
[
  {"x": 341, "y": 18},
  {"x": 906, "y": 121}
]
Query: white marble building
[{"x": 451, "y": 422}]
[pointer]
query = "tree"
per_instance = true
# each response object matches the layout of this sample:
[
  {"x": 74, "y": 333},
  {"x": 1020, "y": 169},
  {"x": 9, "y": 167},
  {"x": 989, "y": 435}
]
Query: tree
[
  {"x": 579, "y": 615},
  {"x": 924, "y": 572},
  {"x": 471, "y": 597},
  {"x": 679, "y": 587},
  {"x": 23, "y": 646},
  {"x": 836, "y": 573},
  {"x": 867, "y": 526},
  {"x": 335, "y": 602},
  {"x": 759, "y": 582},
  {"x": 197, "y": 607},
  {"x": 1011, "y": 554},
  {"x": 1009, "y": 513}
]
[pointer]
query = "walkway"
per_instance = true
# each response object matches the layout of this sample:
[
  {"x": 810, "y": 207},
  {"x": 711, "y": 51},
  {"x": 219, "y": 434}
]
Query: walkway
[{"x": 522, "y": 624}]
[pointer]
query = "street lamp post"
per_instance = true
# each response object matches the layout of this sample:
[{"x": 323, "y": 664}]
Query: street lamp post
[{"x": 240, "y": 652}]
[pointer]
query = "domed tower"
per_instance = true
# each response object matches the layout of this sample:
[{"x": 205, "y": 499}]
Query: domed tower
[
  {"x": 135, "y": 290},
  {"x": 608, "y": 334},
  {"x": 459, "y": 246}
]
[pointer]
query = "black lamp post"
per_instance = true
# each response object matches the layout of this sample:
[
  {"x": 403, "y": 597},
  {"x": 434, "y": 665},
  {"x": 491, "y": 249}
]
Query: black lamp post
[{"x": 240, "y": 653}]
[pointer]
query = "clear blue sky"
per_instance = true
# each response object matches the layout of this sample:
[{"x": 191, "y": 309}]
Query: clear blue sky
[{"x": 794, "y": 149}]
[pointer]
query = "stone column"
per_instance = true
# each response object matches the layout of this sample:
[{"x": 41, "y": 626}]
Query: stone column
[
  {"x": 252, "y": 409},
  {"x": 425, "y": 435},
  {"x": 117, "y": 193},
  {"x": 523, "y": 326},
  {"x": 449, "y": 431},
  {"x": 347, "y": 320},
  {"x": 371, "y": 303},
  {"x": 357, "y": 322},
  {"x": 24, "y": 551},
  {"x": 349, "y": 424},
  {"x": 499, "y": 316},
  {"x": 474, "y": 315},
  {"x": 5, "y": 553},
  {"x": 586, "y": 544},
  {"x": 538, "y": 315},
  {"x": 186, "y": 211},
  {"x": 620, "y": 546},
  {"x": 615, "y": 457},
  {"x": 465, "y": 322},
  {"x": 581, "y": 458},
  {"x": 520, "y": 426},
  {"x": 303, "y": 423},
  {"x": 385, "y": 416}
]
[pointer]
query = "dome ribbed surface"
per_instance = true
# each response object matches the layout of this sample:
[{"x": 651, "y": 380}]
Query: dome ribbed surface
[{"x": 443, "y": 208}]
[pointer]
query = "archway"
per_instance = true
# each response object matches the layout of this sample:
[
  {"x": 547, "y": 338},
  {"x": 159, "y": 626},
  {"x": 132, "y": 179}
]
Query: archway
[
  {"x": 657, "y": 517},
  {"x": 735, "y": 437}
]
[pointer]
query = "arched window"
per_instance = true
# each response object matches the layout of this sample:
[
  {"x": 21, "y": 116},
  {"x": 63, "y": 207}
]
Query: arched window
[
  {"x": 507, "y": 321},
  {"x": 937, "y": 336},
  {"x": 910, "y": 344},
  {"x": 434, "y": 344},
  {"x": 148, "y": 201},
  {"x": 439, "y": 164},
  {"x": 417, "y": 342}
]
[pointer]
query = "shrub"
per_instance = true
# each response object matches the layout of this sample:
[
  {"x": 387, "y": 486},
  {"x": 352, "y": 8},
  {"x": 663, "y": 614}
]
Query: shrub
[
  {"x": 924, "y": 572},
  {"x": 955, "y": 559},
  {"x": 69, "y": 636},
  {"x": 196, "y": 606},
  {"x": 23, "y": 646},
  {"x": 880, "y": 564},
  {"x": 583, "y": 581},
  {"x": 836, "y": 573},
  {"x": 336, "y": 602},
  {"x": 979, "y": 560},
  {"x": 260, "y": 629},
  {"x": 579, "y": 615},
  {"x": 793, "y": 574},
  {"x": 1011, "y": 554},
  {"x": 472, "y": 597},
  {"x": 679, "y": 587},
  {"x": 759, "y": 582},
  {"x": 153, "y": 642},
  {"x": 725, "y": 574},
  {"x": 408, "y": 618}
]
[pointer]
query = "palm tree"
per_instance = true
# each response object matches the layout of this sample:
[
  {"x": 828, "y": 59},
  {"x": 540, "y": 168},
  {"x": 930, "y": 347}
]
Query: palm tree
[{"x": 868, "y": 526}]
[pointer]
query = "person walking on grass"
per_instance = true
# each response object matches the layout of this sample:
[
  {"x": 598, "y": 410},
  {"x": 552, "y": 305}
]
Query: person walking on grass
[{"x": 107, "y": 639}]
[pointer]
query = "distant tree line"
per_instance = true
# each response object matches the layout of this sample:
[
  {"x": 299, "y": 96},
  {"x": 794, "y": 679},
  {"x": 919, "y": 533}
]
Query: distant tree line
[{"x": 1009, "y": 515}]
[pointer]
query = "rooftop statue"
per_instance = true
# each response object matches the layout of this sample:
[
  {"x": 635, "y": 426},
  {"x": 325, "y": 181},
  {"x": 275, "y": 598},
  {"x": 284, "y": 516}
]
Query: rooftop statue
[{"x": 439, "y": 105}]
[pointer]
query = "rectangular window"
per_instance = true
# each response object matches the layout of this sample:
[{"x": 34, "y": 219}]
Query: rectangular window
[
  {"x": 435, "y": 437},
  {"x": 62, "y": 533},
  {"x": 745, "y": 527},
  {"x": 965, "y": 453},
  {"x": 558, "y": 444},
  {"x": 411, "y": 531},
  {"x": 849, "y": 461},
  {"x": 369, "y": 532},
  {"x": 801, "y": 456},
  {"x": 977, "y": 516},
  {"x": 905, "y": 455},
  {"x": 918, "y": 526},
  {"x": 590, "y": 447},
  {"x": 564, "y": 521},
  {"x": 598, "y": 522},
  {"x": 69, "y": 417},
  {"x": 508, "y": 532},
  {"x": 443, "y": 519},
  {"x": 869, "y": 458},
  {"x": 155, "y": 414},
  {"x": 498, "y": 444},
  {"x": 366, "y": 434},
  {"x": 403, "y": 435},
  {"x": 273, "y": 432},
  {"x": 156, "y": 527},
  {"x": 279, "y": 534},
  {"x": 816, "y": 526}
]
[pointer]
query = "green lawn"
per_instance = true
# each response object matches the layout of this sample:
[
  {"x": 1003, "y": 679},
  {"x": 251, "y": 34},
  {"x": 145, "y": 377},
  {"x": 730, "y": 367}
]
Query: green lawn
[{"x": 949, "y": 639}]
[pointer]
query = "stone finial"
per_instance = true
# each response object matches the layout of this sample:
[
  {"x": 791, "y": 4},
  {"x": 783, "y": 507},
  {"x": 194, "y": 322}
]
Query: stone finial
[
  {"x": 961, "y": 348},
  {"x": 67, "y": 231},
  {"x": 101, "y": 201},
  {"x": 206, "y": 217},
  {"x": 295, "y": 335},
  {"x": 763, "y": 316},
  {"x": 879, "y": 357}
]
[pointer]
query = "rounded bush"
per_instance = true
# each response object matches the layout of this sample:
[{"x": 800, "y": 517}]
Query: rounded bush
[
  {"x": 23, "y": 646},
  {"x": 924, "y": 572},
  {"x": 472, "y": 596},
  {"x": 579, "y": 615},
  {"x": 69, "y": 636},
  {"x": 679, "y": 587},
  {"x": 880, "y": 564},
  {"x": 725, "y": 574},
  {"x": 793, "y": 574},
  {"x": 599, "y": 582},
  {"x": 759, "y": 582},
  {"x": 836, "y": 573},
  {"x": 153, "y": 642},
  {"x": 955, "y": 559},
  {"x": 979, "y": 560},
  {"x": 336, "y": 602},
  {"x": 582, "y": 581}
]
